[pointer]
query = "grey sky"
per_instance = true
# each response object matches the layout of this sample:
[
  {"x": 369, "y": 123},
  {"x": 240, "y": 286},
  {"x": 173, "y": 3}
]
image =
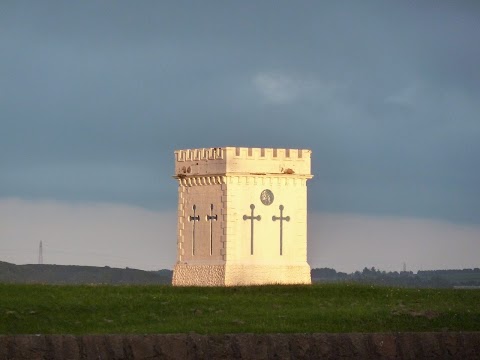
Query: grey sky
[{"x": 95, "y": 97}]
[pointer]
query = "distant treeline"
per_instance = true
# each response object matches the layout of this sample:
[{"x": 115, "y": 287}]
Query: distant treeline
[
  {"x": 426, "y": 278},
  {"x": 72, "y": 274}
]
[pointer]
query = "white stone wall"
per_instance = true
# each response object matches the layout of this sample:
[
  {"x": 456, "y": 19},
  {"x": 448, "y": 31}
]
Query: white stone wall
[
  {"x": 267, "y": 274},
  {"x": 289, "y": 192},
  {"x": 232, "y": 180}
]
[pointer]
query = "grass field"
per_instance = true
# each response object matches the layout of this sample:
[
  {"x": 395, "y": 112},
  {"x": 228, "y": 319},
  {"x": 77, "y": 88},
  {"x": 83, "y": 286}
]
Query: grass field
[{"x": 50, "y": 309}]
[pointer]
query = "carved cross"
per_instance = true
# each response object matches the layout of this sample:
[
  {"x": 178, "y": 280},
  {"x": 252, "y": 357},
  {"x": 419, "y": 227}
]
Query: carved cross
[
  {"x": 194, "y": 218},
  {"x": 251, "y": 218},
  {"x": 210, "y": 218},
  {"x": 281, "y": 218}
]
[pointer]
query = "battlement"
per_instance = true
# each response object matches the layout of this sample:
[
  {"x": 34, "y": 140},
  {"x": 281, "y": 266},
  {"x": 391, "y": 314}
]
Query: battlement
[
  {"x": 230, "y": 160},
  {"x": 199, "y": 154}
]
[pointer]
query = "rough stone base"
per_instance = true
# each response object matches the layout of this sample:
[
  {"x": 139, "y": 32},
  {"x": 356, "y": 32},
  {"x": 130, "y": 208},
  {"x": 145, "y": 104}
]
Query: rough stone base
[
  {"x": 445, "y": 345},
  {"x": 198, "y": 275},
  {"x": 233, "y": 275}
]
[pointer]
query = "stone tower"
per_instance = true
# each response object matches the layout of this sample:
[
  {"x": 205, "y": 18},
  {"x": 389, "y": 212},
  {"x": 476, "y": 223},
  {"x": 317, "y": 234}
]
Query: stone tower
[{"x": 242, "y": 216}]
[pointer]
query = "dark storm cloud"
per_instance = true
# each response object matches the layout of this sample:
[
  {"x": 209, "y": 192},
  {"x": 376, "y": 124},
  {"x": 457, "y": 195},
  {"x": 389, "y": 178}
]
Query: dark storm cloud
[{"x": 94, "y": 98}]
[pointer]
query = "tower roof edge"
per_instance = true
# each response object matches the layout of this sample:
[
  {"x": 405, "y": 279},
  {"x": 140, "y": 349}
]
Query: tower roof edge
[{"x": 223, "y": 160}]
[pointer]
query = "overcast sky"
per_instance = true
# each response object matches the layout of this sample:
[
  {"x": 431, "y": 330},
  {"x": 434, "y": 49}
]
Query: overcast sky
[{"x": 96, "y": 96}]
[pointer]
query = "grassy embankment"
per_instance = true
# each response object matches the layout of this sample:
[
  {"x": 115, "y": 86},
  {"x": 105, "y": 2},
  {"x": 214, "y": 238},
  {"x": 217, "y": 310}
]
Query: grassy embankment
[{"x": 43, "y": 309}]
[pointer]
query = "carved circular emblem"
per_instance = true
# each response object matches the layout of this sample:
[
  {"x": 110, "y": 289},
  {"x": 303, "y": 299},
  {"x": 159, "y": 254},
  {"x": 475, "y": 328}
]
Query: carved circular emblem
[{"x": 266, "y": 197}]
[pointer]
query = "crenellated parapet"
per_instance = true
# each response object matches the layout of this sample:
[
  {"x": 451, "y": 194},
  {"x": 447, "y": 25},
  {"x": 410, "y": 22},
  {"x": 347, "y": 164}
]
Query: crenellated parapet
[
  {"x": 199, "y": 154},
  {"x": 242, "y": 160}
]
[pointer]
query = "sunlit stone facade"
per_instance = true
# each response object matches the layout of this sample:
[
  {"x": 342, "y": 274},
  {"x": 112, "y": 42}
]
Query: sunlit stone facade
[{"x": 242, "y": 216}]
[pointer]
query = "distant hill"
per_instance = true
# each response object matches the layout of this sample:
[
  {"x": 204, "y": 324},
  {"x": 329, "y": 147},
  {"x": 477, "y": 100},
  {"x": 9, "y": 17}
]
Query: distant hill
[{"x": 72, "y": 274}]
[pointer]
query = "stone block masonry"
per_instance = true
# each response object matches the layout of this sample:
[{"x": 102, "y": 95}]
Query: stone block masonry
[
  {"x": 242, "y": 216},
  {"x": 443, "y": 345}
]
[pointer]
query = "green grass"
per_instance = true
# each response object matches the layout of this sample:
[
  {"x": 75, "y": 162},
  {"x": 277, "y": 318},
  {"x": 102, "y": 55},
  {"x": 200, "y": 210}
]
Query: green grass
[{"x": 50, "y": 309}]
